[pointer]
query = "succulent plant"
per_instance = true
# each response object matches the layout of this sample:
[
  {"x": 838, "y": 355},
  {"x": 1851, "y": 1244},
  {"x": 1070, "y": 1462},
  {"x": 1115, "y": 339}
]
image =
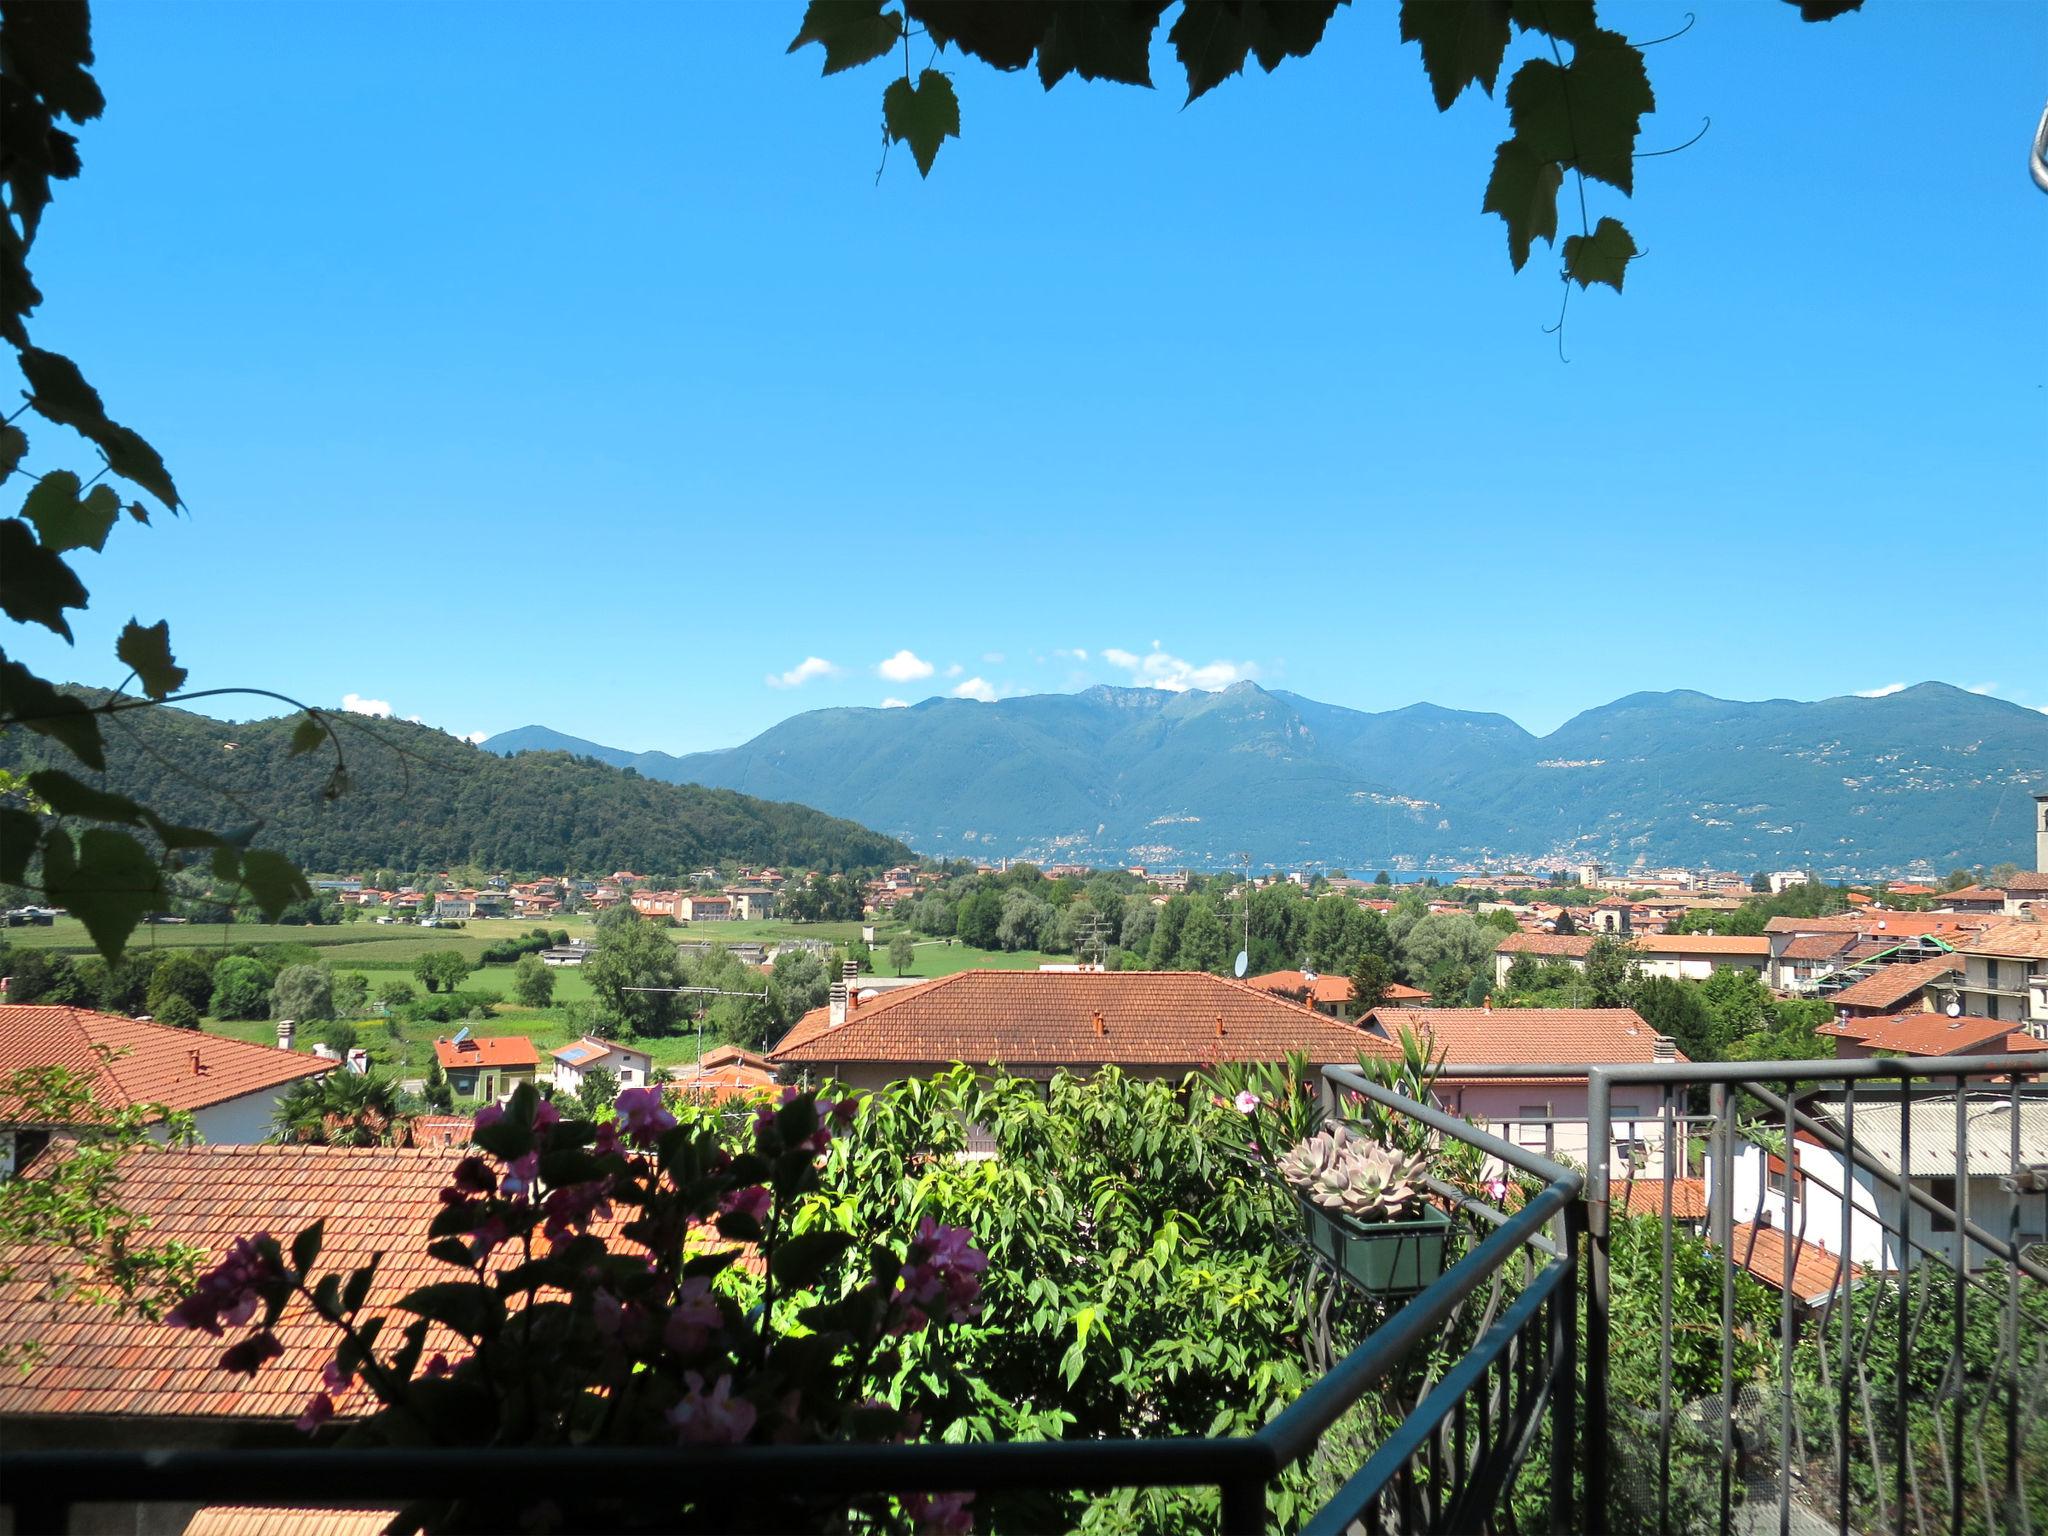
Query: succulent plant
[{"x": 1365, "y": 1180}]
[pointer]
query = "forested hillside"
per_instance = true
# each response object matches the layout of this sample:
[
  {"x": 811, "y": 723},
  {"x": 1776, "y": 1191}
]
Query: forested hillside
[{"x": 416, "y": 798}]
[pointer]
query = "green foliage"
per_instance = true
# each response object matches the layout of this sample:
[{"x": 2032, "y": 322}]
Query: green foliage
[
  {"x": 337, "y": 1035},
  {"x": 442, "y": 969},
  {"x": 902, "y": 952},
  {"x": 241, "y": 988},
  {"x": 597, "y": 1090},
  {"x": 394, "y": 994},
  {"x": 923, "y": 115},
  {"x": 533, "y": 983},
  {"x": 338, "y": 1108},
  {"x": 1611, "y": 972},
  {"x": 351, "y": 995},
  {"x": 181, "y": 975},
  {"x": 303, "y": 992},
  {"x": 1370, "y": 978},
  {"x": 440, "y": 1097},
  {"x": 178, "y": 1012},
  {"x": 631, "y": 954},
  {"x": 38, "y": 976},
  {"x": 65, "y": 1230}
]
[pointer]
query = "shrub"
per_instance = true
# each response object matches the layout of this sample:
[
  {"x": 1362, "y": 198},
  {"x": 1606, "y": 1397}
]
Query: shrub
[
  {"x": 241, "y": 988},
  {"x": 302, "y": 992},
  {"x": 533, "y": 984},
  {"x": 180, "y": 975},
  {"x": 395, "y": 994},
  {"x": 178, "y": 1012}
]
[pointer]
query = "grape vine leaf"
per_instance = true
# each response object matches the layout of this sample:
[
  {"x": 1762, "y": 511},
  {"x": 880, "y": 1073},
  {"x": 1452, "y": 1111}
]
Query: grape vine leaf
[
  {"x": 35, "y": 586},
  {"x": 1102, "y": 40},
  {"x": 1523, "y": 191},
  {"x": 66, "y": 796},
  {"x": 12, "y": 446},
  {"x": 852, "y": 32},
  {"x": 1567, "y": 20},
  {"x": 66, "y": 520},
  {"x": 108, "y": 882},
  {"x": 273, "y": 880},
  {"x": 1463, "y": 41},
  {"x": 1601, "y": 257},
  {"x": 147, "y": 649},
  {"x": 1585, "y": 114},
  {"x": 923, "y": 115},
  {"x": 58, "y": 391},
  {"x": 26, "y": 699},
  {"x": 306, "y": 736},
  {"x": 18, "y": 833},
  {"x": 1212, "y": 37}
]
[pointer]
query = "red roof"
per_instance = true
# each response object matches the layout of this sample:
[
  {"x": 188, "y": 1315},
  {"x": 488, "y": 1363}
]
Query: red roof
[
  {"x": 1934, "y": 1034},
  {"x": 487, "y": 1051},
  {"x": 1816, "y": 1273},
  {"x": 1501, "y": 1036},
  {"x": 1645, "y": 1197},
  {"x": 1322, "y": 989},
  {"x": 1890, "y": 985},
  {"x": 2018, "y": 938},
  {"x": 1400, "y": 992},
  {"x": 1816, "y": 946},
  {"x": 1573, "y": 944},
  {"x": 132, "y": 1062},
  {"x": 440, "y": 1130},
  {"x": 1074, "y": 1019},
  {"x": 373, "y": 1198},
  {"x": 726, "y": 1072}
]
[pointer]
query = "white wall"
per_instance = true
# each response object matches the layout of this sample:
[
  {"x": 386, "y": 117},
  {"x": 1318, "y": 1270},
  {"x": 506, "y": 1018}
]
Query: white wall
[
  {"x": 1550, "y": 1119},
  {"x": 240, "y": 1122}
]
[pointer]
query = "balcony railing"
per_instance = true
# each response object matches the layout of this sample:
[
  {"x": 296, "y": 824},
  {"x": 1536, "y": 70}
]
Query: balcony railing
[{"x": 1909, "y": 1392}]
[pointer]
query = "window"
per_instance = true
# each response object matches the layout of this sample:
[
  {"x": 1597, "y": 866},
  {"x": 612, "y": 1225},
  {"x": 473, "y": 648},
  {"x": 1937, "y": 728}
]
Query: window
[{"x": 1943, "y": 1190}]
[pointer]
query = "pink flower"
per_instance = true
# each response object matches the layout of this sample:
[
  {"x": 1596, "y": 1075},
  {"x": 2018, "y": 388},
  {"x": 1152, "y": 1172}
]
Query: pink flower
[
  {"x": 716, "y": 1418},
  {"x": 545, "y": 1114},
  {"x": 247, "y": 1357},
  {"x": 319, "y": 1409},
  {"x": 607, "y": 1139},
  {"x": 490, "y": 1114},
  {"x": 520, "y": 1174},
  {"x": 941, "y": 1277},
  {"x": 1497, "y": 1189},
  {"x": 335, "y": 1380},
  {"x": 645, "y": 1116},
  {"x": 571, "y": 1207},
  {"x": 943, "y": 1514},
  {"x": 753, "y": 1201},
  {"x": 436, "y": 1368},
  {"x": 229, "y": 1291},
  {"x": 1247, "y": 1102},
  {"x": 692, "y": 1318}
]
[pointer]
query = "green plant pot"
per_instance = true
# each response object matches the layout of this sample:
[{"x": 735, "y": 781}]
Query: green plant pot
[{"x": 1387, "y": 1258}]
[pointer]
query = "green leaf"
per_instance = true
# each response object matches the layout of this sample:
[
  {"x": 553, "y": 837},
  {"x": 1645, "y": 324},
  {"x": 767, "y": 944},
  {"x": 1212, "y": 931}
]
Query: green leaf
[
  {"x": 1212, "y": 37},
  {"x": 13, "y": 444},
  {"x": 306, "y": 1248},
  {"x": 148, "y": 652},
  {"x": 450, "y": 1250},
  {"x": 800, "y": 1260},
  {"x": 66, "y": 796},
  {"x": 357, "y": 1291},
  {"x": 60, "y": 393},
  {"x": 470, "y": 1309},
  {"x": 1567, "y": 20},
  {"x": 306, "y": 736},
  {"x": 273, "y": 880},
  {"x": 1523, "y": 191},
  {"x": 923, "y": 115},
  {"x": 1463, "y": 41},
  {"x": 1587, "y": 114},
  {"x": 1601, "y": 257},
  {"x": 28, "y": 700},
  {"x": 18, "y": 833},
  {"x": 852, "y": 32},
  {"x": 65, "y": 520},
  {"x": 108, "y": 882},
  {"x": 1098, "y": 41},
  {"x": 35, "y": 586}
]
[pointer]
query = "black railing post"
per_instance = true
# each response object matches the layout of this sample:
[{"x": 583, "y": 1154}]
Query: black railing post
[
  {"x": 1598, "y": 1297},
  {"x": 1564, "y": 1379},
  {"x": 1244, "y": 1506}
]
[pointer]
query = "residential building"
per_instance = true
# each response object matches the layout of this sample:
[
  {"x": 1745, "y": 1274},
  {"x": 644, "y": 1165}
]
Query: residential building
[
  {"x": 575, "y": 952},
  {"x": 662, "y": 907},
  {"x": 1905, "y": 986},
  {"x": 751, "y": 903},
  {"x": 487, "y": 1069},
  {"x": 458, "y": 906},
  {"x": 1543, "y": 1113},
  {"x": 576, "y": 1060},
  {"x": 1325, "y": 994},
  {"x": 1161, "y": 1024},
  {"x": 1696, "y": 956},
  {"x": 1921, "y": 1033},
  {"x": 1572, "y": 948},
  {"x": 231, "y": 1088},
  {"x": 725, "y": 1072},
  {"x": 2005, "y": 974},
  {"x": 1783, "y": 880},
  {"x": 699, "y": 907}
]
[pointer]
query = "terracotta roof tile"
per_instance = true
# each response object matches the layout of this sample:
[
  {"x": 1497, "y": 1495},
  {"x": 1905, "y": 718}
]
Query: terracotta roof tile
[
  {"x": 1076, "y": 1019},
  {"x": 1577, "y": 945},
  {"x": 1323, "y": 989},
  {"x": 372, "y": 1198},
  {"x": 1816, "y": 1273},
  {"x": 1504, "y": 1036},
  {"x": 1817, "y": 946},
  {"x": 1933, "y": 1034},
  {"x": 487, "y": 1051},
  {"x": 2027, "y": 940},
  {"x": 149, "y": 1063},
  {"x": 1889, "y": 985},
  {"x": 1702, "y": 944},
  {"x": 1645, "y": 1197}
]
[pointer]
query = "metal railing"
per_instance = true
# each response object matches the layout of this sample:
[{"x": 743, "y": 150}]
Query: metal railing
[{"x": 1443, "y": 1468}]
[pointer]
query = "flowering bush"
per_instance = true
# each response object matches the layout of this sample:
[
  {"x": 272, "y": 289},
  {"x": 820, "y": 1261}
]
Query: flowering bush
[{"x": 597, "y": 1294}]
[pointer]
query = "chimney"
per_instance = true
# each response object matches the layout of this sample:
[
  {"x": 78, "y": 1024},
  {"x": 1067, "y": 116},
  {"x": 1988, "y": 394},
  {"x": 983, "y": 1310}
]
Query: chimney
[
  {"x": 849, "y": 972},
  {"x": 198, "y": 1068},
  {"x": 1487, "y": 1006},
  {"x": 1098, "y": 1022},
  {"x": 1663, "y": 1048},
  {"x": 286, "y": 1029},
  {"x": 838, "y": 1004},
  {"x": 1219, "y": 1026}
]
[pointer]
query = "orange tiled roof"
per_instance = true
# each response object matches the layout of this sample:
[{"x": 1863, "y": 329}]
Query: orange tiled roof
[
  {"x": 1500, "y": 1036},
  {"x": 272, "y": 1520},
  {"x": 726, "y": 1072},
  {"x": 1323, "y": 989},
  {"x": 98, "y": 1364},
  {"x": 1874, "y": 922},
  {"x": 1974, "y": 893},
  {"x": 1816, "y": 946},
  {"x": 1397, "y": 992},
  {"x": 440, "y": 1130},
  {"x": 1932, "y": 1034},
  {"x": 1575, "y": 944},
  {"x": 150, "y": 1063},
  {"x": 487, "y": 1051},
  {"x": 2019, "y": 938},
  {"x": 1889, "y": 985},
  {"x": 1815, "y": 1271},
  {"x": 1051, "y": 1018},
  {"x": 1645, "y": 1197}
]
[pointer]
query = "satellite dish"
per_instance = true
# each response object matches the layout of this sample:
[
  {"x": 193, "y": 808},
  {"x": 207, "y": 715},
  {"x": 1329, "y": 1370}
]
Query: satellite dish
[
  {"x": 1240, "y": 965},
  {"x": 1955, "y": 1009},
  {"x": 1308, "y": 976}
]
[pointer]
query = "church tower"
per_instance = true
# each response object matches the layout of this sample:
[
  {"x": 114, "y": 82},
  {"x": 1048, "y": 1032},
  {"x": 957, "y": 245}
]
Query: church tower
[{"x": 2041, "y": 834}]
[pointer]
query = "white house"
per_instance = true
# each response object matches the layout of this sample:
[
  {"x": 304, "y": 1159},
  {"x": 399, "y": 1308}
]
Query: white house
[{"x": 579, "y": 1057}]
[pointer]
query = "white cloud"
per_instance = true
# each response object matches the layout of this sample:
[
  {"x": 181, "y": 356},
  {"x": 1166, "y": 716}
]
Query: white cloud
[
  {"x": 356, "y": 704},
  {"x": 1160, "y": 669},
  {"x": 975, "y": 688},
  {"x": 1881, "y": 693},
  {"x": 905, "y": 666},
  {"x": 477, "y": 738},
  {"x": 895, "y": 703},
  {"x": 955, "y": 670},
  {"x": 1078, "y": 653},
  {"x": 1982, "y": 688},
  {"x": 993, "y": 658},
  {"x": 803, "y": 672}
]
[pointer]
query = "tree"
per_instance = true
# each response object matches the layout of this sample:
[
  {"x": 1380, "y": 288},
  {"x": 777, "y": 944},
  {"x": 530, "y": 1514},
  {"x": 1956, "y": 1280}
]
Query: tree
[
  {"x": 1611, "y": 972},
  {"x": 1523, "y": 972},
  {"x": 1454, "y": 939},
  {"x": 178, "y": 1013},
  {"x": 339, "y": 1109},
  {"x": 1382, "y": 879},
  {"x": 180, "y": 975},
  {"x": 533, "y": 983},
  {"x": 302, "y": 992},
  {"x": 241, "y": 988},
  {"x": 37, "y": 976},
  {"x": 1203, "y": 943},
  {"x": 902, "y": 952},
  {"x": 1566, "y": 925},
  {"x": 351, "y": 994},
  {"x": 338, "y": 1035},
  {"x": 394, "y": 994},
  {"x": 598, "y": 1088},
  {"x": 123, "y": 985},
  {"x": 441, "y": 969},
  {"x": 440, "y": 1097},
  {"x": 1026, "y": 922},
  {"x": 630, "y": 955},
  {"x": 1673, "y": 1008},
  {"x": 979, "y": 917},
  {"x": 1370, "y": 978}
]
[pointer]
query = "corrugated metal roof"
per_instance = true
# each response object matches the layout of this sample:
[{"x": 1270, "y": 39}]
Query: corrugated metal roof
[{"x": 1880, "y": 1132}]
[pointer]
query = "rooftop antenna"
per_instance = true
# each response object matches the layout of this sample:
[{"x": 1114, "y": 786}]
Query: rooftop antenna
[{"x": 1243, "y": 962}]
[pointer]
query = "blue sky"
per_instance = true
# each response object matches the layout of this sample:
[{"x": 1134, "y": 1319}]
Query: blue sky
[{"x": 527, "y": 364}]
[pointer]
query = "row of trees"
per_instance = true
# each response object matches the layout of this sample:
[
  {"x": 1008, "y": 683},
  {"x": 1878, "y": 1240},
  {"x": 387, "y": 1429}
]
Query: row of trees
[{"x": 179, "y": 986}]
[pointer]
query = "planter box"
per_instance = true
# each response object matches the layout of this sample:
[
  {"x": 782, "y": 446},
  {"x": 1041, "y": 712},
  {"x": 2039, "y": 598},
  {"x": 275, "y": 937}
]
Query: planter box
[{"x": 1387, "y": 1258}]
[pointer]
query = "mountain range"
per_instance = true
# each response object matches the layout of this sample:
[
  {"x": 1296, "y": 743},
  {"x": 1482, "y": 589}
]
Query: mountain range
[{"x": 1849, "y": 785}]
